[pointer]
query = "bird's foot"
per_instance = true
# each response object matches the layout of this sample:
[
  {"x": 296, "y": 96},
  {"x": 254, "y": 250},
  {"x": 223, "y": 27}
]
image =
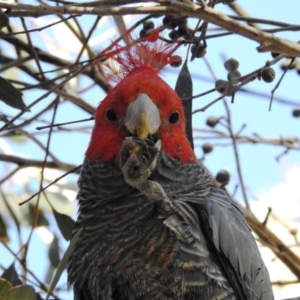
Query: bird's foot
[
  {"x": 145, "y": 150},
  {"x": 137, "y": 160}
]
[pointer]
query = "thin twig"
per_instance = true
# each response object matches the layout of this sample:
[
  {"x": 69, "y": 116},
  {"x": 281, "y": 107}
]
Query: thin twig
[
  {"x": 42, "y": 97},
  {"x": 24, "y": 163},
  {"x": 53, "y": 182},
  {"x": 278, "y": 83},
  {"x": 207, "y": 14}
]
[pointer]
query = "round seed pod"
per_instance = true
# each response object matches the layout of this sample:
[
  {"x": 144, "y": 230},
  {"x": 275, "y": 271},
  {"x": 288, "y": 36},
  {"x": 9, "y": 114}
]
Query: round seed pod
[
  {"x": 222, "y": 86},
  {"x": 168, "y": 21},
  {"x": 233, "y": 76},
  {"x": 212, "y": 121},
  {"x": 148, "y": 25},
  {"x": 143, "y": 33},
  {"x": 174, "y": 35},
  {"x": 296, "y": 113},
  {"x": 231, "y": 64},
  {"x": 183, "y": 31},
  {"x": 181, "y": 22},
  {"x": 268, "y": 74},
  {"x": 223, "y": 177},
  {"x": 176, "y": 61},
  {"x": 198, "y": 51},
  {"x": 207, "y": 148}
]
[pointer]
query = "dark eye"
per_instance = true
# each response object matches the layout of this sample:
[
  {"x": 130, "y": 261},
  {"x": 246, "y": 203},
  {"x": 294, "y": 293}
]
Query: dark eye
[
  {"x": 174, "y": 118},
  {"x": 111, "y": 115}
]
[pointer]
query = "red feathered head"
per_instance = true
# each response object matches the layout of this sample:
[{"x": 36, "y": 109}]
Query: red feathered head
[{"x": 141, "y": 104}]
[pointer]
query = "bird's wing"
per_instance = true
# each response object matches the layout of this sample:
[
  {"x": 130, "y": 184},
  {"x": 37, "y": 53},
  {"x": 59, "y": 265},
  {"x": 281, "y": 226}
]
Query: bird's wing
[{"x": 224, "y": 225}]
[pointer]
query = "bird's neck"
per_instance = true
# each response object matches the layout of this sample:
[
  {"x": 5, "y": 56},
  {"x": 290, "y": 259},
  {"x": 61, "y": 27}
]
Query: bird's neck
[{"x": 103, "y": 184}]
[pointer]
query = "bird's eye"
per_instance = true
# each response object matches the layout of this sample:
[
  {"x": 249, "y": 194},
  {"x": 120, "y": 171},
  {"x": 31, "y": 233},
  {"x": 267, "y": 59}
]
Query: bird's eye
[
  {"x": 111, "y": 115},
  {"x": 174, "y": 118}
]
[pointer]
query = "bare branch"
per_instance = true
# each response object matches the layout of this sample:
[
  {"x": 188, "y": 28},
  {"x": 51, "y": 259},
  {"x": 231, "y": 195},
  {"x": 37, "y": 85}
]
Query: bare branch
[{"x": 207, "y": 14}]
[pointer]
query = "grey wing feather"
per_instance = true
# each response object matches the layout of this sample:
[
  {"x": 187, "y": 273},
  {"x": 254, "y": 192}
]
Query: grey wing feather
[{"x": 232, "y": 238}]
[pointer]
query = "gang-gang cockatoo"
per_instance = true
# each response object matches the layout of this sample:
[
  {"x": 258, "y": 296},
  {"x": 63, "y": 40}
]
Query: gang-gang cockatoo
[{"x": 154, "y": 224}]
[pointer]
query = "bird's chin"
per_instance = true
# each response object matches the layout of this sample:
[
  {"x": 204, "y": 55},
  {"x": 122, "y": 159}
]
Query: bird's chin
[{"x": 154, "y": 138}]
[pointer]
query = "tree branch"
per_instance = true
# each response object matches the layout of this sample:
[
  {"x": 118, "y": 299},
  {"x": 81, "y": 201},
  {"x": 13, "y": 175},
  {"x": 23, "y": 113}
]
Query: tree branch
[
  {"x": 24, "y": 162},
  {"x": 267, "y": 41}
]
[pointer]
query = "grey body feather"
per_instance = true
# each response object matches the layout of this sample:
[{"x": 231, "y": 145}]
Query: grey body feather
[{"x": 195, "y": 244}]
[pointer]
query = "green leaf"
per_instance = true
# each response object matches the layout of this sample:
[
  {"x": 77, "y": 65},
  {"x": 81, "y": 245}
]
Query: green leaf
[
  {"x": 10, "y": 95},
  {"x": 49, "y": 274},
  {"x": 41, "y": 221},
  {"x": 3, "y": 233},
  {"x": 11, "y": 275},
  {"x": 64, "y": 223},
  {"x": 5, "y": 286},
  {"x": 21, "y": 292},
  {"x": 63, "y": 264},
  {"x": 53, "y": 253},
  {"x": 13, "y": 215},
  {"x": 17, "y": 138}
]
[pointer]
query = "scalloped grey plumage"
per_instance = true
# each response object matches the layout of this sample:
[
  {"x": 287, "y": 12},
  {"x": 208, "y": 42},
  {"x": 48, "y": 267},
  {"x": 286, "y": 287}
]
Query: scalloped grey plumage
[{"x": 131, "y": 248}]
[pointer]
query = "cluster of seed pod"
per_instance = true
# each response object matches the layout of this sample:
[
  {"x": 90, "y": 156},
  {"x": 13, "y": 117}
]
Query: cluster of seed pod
[
  {"x": 179, "y": 29},
  {"x": 267, "y": 74},
  {"x": 222, "y": 178},
  {"x": 178, "y": 26},
  {"x": 224, "y": 86},
  {"x": 211, "y": 122},
  {"x": 232, "y": 65},
  {"x": 148, "y": 27}
]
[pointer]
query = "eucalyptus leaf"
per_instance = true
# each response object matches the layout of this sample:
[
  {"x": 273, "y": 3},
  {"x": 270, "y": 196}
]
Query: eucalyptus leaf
[
  {"x": 21, "y": 292},
  {"x": 184, "y": 89},
  {"x": 41, "y": 221},
  {"x": 53, "y": 253},
  {"x": 64, "y": 262},
  {"x": 11, "y": 275},
  {"x": 11, "y": 211},
  {"x": 65, "y": 224},
  {"x": 5, "y": 286},
  {"x": 49, "y": 273},
  {"x": 3, "y": 232},
  {"x": 11, "y": 95}
]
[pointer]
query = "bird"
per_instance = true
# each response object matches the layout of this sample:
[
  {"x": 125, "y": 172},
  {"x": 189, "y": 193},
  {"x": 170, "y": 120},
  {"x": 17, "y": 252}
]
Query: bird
[{"x": 154, "y": 224}]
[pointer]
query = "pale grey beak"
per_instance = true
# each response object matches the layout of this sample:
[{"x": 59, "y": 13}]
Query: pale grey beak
[{"x": 142, "y": 117}]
